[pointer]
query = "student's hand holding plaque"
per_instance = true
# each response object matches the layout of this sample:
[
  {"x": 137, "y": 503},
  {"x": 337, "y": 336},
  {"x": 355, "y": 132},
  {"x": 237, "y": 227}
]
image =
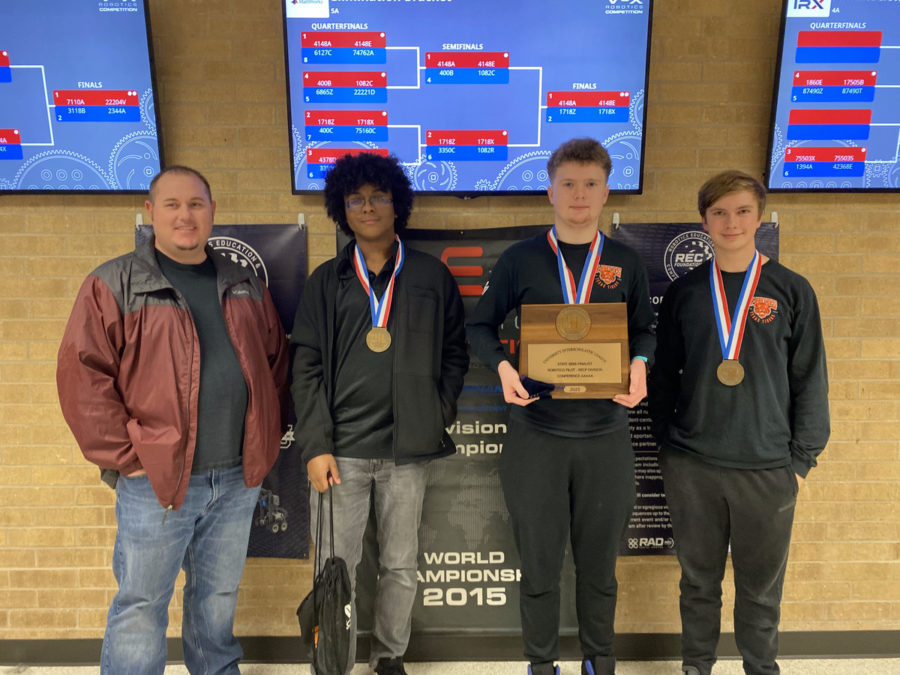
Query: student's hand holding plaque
[
  {"x": 513, "y": 390},
  {"x": 637, "y": 385}
]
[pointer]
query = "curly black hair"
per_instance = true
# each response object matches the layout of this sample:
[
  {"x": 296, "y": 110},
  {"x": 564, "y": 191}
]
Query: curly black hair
[{"x": 351, "y": 172}]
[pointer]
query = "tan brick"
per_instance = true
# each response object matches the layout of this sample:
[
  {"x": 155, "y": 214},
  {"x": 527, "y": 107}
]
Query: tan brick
[
  {"x": 818, "y": 591},
  {"x": 880, "y": 348},
  {"x": 92, "y": 618},
  {"x": 38, "y": 579},
  {"x": 69, "y": 557},
  {"x": 99, "y": 495},
  {"x": 45, "y": 496},
  {"x": 43, "y": 619},
  {"x": 844, "y": 611},
  {"x": 96, "y": 578},
  {"x": 64, "y": 475},
  {"x": 16, "y": 557},
  {"x": 95, "y": 536},
  {"x": 13, "y": 352}
]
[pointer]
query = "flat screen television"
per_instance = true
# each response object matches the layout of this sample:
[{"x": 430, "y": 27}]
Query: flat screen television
[
  {"x": 836, "y": 108},
  {"x": 471, "y": 96},
  {"x": 78, "y": 106}
]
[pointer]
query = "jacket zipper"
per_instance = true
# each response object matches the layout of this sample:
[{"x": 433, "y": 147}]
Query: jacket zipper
[{"x": 187, "y": 416}]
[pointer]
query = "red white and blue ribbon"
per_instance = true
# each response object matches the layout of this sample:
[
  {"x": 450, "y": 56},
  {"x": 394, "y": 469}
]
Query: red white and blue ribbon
[
  {"x": 731, "y": 329},
  {"x": 581, "y": 294},
  {"x": 380, "y": 309}
]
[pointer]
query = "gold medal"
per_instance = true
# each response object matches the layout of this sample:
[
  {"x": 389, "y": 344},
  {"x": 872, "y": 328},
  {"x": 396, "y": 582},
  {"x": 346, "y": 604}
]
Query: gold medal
[
  {"x": 730, "y": 372},
  {"x": 378, "y": 339},
  {"x": 573, "y": 323}
]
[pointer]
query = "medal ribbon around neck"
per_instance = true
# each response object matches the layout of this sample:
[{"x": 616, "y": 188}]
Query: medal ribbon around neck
[
  {"x": 380, "y": 309},
  {"x": 731, "y": 330},
  {"x": 582, "y": 294}
]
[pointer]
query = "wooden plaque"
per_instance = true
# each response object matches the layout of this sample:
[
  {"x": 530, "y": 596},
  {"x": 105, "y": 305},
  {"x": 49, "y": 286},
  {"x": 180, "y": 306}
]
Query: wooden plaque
[{"x": 582, "y": 349}]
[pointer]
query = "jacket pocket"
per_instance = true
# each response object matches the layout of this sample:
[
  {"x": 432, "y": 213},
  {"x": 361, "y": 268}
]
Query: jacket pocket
[{"x": 422, "y": 312}]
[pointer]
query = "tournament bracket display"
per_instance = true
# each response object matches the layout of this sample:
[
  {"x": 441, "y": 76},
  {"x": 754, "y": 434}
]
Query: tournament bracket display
[
  {"x": 471, "y": 96},
  {"x": 77, "y": 105},
  {"x": 836, "y": 112}
]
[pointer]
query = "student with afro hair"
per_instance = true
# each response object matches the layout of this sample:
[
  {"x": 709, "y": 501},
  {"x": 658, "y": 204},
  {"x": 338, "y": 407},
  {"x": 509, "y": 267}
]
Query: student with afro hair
[{"x": 379, "y": 359}]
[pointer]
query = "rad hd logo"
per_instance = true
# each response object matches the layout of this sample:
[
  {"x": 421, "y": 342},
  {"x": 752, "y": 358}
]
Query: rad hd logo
[{"x": 809, "y": 8}]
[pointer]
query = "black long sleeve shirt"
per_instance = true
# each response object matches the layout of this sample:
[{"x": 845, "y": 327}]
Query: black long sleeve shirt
[
  {"x": 527, "y": 274},
  {"x": 778, "y": 415}
]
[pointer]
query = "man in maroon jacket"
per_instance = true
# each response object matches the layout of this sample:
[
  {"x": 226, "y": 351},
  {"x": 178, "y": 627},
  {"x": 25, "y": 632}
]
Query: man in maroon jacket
[{"x": 172, "y": 375}]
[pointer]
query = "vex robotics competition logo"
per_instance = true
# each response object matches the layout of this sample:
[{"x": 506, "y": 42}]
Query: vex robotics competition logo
[
  {"x": 624, "y": 6},
  {"x": 687, "y": 251},
  {"x": 239, "y": 252}
]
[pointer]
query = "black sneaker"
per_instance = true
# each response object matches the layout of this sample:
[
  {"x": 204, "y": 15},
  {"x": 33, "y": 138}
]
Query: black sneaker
[
  {"x": 599, "y": 665},
  {"x": 390, "y": 666},
  {"x": 543, "y": 669}
]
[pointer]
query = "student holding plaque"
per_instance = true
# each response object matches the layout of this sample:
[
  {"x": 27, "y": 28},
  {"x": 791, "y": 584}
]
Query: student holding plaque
[
  {"x": 379, "y": 359},
  {"x": 738, "y": 399},
  {"x": 567, "y": 467}
]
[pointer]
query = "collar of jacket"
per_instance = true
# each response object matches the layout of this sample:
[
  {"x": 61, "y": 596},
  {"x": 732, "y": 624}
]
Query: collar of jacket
[
  {"x": 147, "y": 277},
  {"x": 345, "y": 260}
]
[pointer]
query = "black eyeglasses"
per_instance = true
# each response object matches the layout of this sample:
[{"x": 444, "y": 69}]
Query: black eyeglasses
[{"x": 357, "y": 203}]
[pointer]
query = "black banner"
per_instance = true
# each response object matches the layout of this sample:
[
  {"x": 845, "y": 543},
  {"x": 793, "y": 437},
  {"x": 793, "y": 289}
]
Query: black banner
[{"x": 278, "y": 255}]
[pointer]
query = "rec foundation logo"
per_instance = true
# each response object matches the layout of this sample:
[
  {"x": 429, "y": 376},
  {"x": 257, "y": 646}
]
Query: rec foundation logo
[
  {"x": 242, "y": 254},
  {"x": 685, "y": 252}
]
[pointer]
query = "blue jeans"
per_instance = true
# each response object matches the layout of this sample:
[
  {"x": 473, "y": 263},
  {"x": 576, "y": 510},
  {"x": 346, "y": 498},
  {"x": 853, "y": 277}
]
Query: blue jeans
[
  {"x": 399, "y": 492},
  {"x": 208, "y": 537}
]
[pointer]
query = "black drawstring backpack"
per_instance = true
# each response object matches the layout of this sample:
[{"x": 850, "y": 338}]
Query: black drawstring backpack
[{"x": 325, "y": 612}]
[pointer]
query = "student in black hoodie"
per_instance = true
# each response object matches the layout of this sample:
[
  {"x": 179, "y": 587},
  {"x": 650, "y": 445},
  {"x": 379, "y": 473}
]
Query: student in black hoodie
[
  {"x": 567, "y": 467},
  {"x": 379, "y": 359},
  {"x": 738, "y": 398}
]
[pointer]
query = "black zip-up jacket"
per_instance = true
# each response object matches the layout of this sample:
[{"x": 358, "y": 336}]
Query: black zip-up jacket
[{"x": 428, "y": 333}]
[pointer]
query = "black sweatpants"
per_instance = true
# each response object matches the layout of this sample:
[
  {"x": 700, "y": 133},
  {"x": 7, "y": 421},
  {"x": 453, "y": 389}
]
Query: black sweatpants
[
  {"x": 557, "y": 488},
  {"x": 753, "y": 510}
]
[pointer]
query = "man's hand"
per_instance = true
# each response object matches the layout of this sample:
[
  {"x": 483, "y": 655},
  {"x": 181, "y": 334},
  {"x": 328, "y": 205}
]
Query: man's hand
[
  {"x": 513, "y": 391},
  {"x": 800, "y": 480},
  {"x": 637, "y": 385},
  {"x": 323, "y": 472}
]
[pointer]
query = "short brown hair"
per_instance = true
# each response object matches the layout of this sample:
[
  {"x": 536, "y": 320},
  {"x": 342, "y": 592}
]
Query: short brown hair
[
  {"x": 580, "y": 151},
  {"x": 178, "y": 169},
  {"x": 727, "y": 182}
]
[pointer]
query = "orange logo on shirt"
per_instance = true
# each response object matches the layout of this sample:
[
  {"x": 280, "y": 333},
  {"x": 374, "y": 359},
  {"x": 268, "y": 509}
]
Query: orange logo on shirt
[
  {"x": 763, "y": 310},
  {"x": 608, "y": 276}
]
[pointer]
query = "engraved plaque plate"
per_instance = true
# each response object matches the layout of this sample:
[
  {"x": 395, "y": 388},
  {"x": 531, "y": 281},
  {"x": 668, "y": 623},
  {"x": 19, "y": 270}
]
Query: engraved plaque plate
[{"x": 594, "y": 365}]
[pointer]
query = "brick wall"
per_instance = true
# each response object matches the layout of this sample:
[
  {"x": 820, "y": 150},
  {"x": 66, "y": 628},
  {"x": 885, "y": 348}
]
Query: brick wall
[{"x": 220, "y": 70}]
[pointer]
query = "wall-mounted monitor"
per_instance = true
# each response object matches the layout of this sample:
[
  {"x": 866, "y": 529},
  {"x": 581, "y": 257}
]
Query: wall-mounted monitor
[
  {"x": 471, "y": 96},
  {"x": 77, "y": 97},
  {"x": 836, "y": 108}
]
